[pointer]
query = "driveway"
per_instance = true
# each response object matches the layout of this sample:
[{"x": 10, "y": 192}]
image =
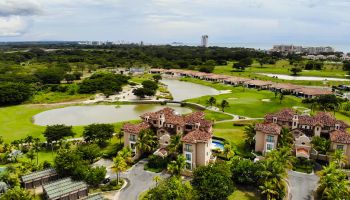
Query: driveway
[
  {"x": 302, "y": 186},
  {"x": 139, "y": 181}
]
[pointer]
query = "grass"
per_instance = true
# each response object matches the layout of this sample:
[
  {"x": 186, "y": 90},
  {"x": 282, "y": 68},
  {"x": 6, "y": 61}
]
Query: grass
[
  {"x": 243, "y": 194},
  {"x": 44, "y": 155},
  {"x": 215, "y": 116},
  {"x": 242, "y": 100},
  {"x": 56, "y": 97}
]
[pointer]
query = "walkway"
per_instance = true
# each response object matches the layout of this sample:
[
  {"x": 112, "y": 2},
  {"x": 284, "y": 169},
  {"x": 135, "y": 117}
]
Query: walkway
[
  {"x": 302, "y": 186},
  {"x": 139, "y": 181}
]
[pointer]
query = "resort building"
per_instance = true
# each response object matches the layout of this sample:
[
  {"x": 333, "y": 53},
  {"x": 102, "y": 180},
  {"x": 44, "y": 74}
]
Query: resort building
[
  {"x": 65, "y": 189},
  {"x": 297, "y": 90},
  {"x": 303, "y": 127},
  {"x": 196, "y": 133},
  {"x": 39, "y": 178}
]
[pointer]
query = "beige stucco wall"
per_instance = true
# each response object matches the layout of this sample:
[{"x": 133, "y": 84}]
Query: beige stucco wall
[
  {"x": 346, "y": 149},
  {"x": 259, "y": 141},
  {"x": 126, "y": 139}
]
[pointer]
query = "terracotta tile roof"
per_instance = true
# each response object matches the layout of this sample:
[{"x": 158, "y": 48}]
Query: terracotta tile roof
[
  {"x": 135, "y": 128},
  {"x": 268, "y": 128},
  {"x": 322, "y": 119},
  {"x": 313, "y": 91},
  {"x": 259, "y": 82},
  {"x": 196, "y": 136},
  {"x": 283, "y": 115},
  {"x": 194, "y": 117},
  {"x": 155, "y": 115},
  {"x": 236, "y": 80},
  {"x": 285, "y": 86},
  {"x": 339, "y": 136}
]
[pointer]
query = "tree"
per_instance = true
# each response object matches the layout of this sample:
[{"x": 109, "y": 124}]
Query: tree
[
  {"x": 224, "y": 104},
  {"x": 14, "y": 93},
  {"x": 67, "y": 161},
  {"x": 16, "y": 193},
  {"x": 98, "y": 133},
  {"x": 346, "y": 65},
  {"x": 286, "y": 138},
  {"x": 30, "y": 155},
  {"x": 89, "y": 152},
  {"x": 119, "y": 165},
  {"x": 328, "y": 102},
  {"x": 244, "y": 171},
  {"x": 172, "y": 188},
  {"x": 212, "y": 101},
  {"x": 249, "y": 131},
  {"x": 321, "y": 144},
  {"x": 146, "y": 141},
  {"x": 95, "y": 175},
  {"x": 120, "y": 135},
  {"x": 157, "y": 78},
  {"x": 176, "y": 166},
  {"x": 295, "y": 70},
  {"x": 157, "y": 179},
  {"x": 50, "y": 76},
  {"x": 213, "y": 182},
  {"x": 281, "y": 97},
  {"x": 58, "y": 132},
  {"x": 126, "y": 154},
  {"x": 69, "y": 78},
  {"x": 206, "y": 69},
  {"x": 139, "y": 92},
  {"x": 269, "y": 190},
  {"x": 339, "y": 158},
  {"x": 228, "y": 151},
  {"x": 175, "y": 145}
]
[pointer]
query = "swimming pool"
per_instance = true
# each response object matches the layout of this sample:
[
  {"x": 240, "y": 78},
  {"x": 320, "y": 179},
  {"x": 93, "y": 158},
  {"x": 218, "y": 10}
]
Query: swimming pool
[{"x": 217, "y": 144}]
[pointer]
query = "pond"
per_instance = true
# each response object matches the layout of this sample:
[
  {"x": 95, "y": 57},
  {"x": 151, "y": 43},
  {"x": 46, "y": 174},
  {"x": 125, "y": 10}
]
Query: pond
[
  {"x": 303, "y": 78},
  {"x": 182, "y": 90},
  {"x": 85, "y": 115}
]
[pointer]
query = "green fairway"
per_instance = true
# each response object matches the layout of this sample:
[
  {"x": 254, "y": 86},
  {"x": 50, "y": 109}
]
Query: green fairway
[
  {"x": 242, "y": 194},
  {"x": 251, "y": 102}
]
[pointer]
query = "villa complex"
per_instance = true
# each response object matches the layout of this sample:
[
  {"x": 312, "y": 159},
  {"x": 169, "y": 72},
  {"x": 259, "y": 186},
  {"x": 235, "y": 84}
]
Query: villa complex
[
  {"x": 196, "y": 133},
  {"x": 297, "y": 90},
  {"x": 303, "y": 127}
]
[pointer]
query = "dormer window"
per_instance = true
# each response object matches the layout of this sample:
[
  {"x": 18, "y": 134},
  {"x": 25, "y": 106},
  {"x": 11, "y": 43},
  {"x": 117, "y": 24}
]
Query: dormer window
[
  {"x": 274, "y": 120},
  {"x": 337, "y": 127}
]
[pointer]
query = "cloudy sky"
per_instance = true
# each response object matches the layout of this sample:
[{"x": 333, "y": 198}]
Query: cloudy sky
[{"x": 163, "y": 21}]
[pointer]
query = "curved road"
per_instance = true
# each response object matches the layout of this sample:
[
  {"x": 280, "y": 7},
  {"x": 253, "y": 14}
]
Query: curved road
[
  {"x": 302, "y": 186},
  {"x": 139, "y": 180}
]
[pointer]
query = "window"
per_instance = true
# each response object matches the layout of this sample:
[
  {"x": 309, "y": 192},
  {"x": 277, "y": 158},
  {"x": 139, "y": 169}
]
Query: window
[
  {"x": 132, "y": 138},
  {"x": 188, "y": 147},
  {"x": 295, "y": 123},
  {"x": 270, "y": 138},
  {"x": 188, "y": 157},
  {"x": 188, "y": 166},
  {"x": 269, "y": 147},
  {"x": 340, "y": 147},
  {"x": 133, "y": 147}
]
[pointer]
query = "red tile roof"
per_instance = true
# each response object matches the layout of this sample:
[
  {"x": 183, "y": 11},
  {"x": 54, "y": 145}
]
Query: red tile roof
[
  {"x": 268, "y": 128},
  {"x": 313, "y": 91},
  {"x": 135, "y": 128},
  {"x": 286, "y": 114},
  {"x": 196, "y": 136},
  {"x": 339, "y": 136},
  {"x": 285, "y": 86},
  {"x": 259, "y": 82}
]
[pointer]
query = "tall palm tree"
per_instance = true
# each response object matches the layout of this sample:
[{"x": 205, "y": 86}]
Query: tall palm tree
[
  {"x": 224, "y": 104},
  {"x": 176, "y": 166},
  {"x": 211, "y": 101},
  {"x": 286, "y": 138},
  {"x": 228, "y": 151},
  {"x": 119, "y": 165},
  {"x": 120, "y": 135},
  {"x": 175, "y": 145},
  {"x": 146, "y": 141},
  {"x": 36, "y": 148},
  {"x": 126, "y": 154},
  {"x": 269, "y": 189},
  {"x": 249, "y": 131}
]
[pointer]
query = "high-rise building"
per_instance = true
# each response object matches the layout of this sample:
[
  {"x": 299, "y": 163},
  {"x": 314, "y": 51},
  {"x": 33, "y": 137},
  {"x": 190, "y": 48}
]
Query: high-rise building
[{"x": 204, "y": 41}]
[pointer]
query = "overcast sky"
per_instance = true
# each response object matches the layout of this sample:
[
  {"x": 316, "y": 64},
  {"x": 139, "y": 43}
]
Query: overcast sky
[{"x": 163, "y": 21}]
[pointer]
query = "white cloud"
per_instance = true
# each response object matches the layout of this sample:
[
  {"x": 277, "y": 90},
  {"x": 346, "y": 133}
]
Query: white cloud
[
  {"x": 19, "y": 7},
  {"x": 12, "y": 26}
]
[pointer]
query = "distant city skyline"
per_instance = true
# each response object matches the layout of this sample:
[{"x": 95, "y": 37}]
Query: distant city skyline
[{"x": 252, "y": 22}]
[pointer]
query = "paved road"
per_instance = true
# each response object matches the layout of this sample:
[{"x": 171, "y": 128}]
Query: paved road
[
  {"x": 302, "y": 185},
  {"x": 139, "y": 181}
]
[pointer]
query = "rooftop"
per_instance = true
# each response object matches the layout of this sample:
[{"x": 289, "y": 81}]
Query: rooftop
[
  {"x": 94, "y": 197},
  {"x": 196, "y": 136},
  {"x": 62, "y": 187},
  {"x": 135, "y": 128},
  {"x": 268, "y": 128},
  {"x": 339, "y": 136},
  {"x": 38, "y": 175}
]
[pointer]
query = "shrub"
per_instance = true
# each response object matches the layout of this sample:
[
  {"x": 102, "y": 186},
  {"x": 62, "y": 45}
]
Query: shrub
[{"x": 157, "y": 162}]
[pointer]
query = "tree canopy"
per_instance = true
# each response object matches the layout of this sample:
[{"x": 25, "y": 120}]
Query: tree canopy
[{"x": 58, "y": 132}]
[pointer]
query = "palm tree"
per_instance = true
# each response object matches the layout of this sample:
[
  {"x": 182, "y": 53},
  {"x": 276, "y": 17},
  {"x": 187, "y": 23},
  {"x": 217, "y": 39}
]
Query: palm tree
[
  {"x": 212, "y": 101},
  {"x": 176, "y": 166},
  {"x": 119, "y": 135},
  {"x": 249, "y": 131},
  {"x": 175, "y": 144},
  {"x": 281, "y": 97},
  {"x": 224, "y": 104},
  {"x": 146, "y": 141},
  {"x": 157, "y": 179},
  {"x": 228, "y": 151},
  {"x": 269, "y": 189},
  {"x": 286, "y": 138},
  {"x": 119, "y": 165},
  {"x": 36, "y": 148},
  {"x": 339, "y": 158},
  {"x": 126, "y": 154}
]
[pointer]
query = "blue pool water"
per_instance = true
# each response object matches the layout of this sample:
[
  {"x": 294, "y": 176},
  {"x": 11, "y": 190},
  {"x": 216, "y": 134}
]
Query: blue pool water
[{"x": 216, "y": 144}]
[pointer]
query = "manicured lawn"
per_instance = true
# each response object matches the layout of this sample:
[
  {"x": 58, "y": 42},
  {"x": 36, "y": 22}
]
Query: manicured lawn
[
  {"x": 55, "y": 97},
  {"x": 215, "y": 116},
  {"x": 242, "y": 194},
  {"x": 251, "y": 102},
  {"x": 43, "y": 155}
]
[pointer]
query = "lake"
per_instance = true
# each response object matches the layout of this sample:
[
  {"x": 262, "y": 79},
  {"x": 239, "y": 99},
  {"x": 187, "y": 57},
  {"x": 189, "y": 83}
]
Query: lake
[
  {"x": 85, "y": 115},
  {"x": 303, "y": 78},
  {"x": 182, "y": 90}
]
